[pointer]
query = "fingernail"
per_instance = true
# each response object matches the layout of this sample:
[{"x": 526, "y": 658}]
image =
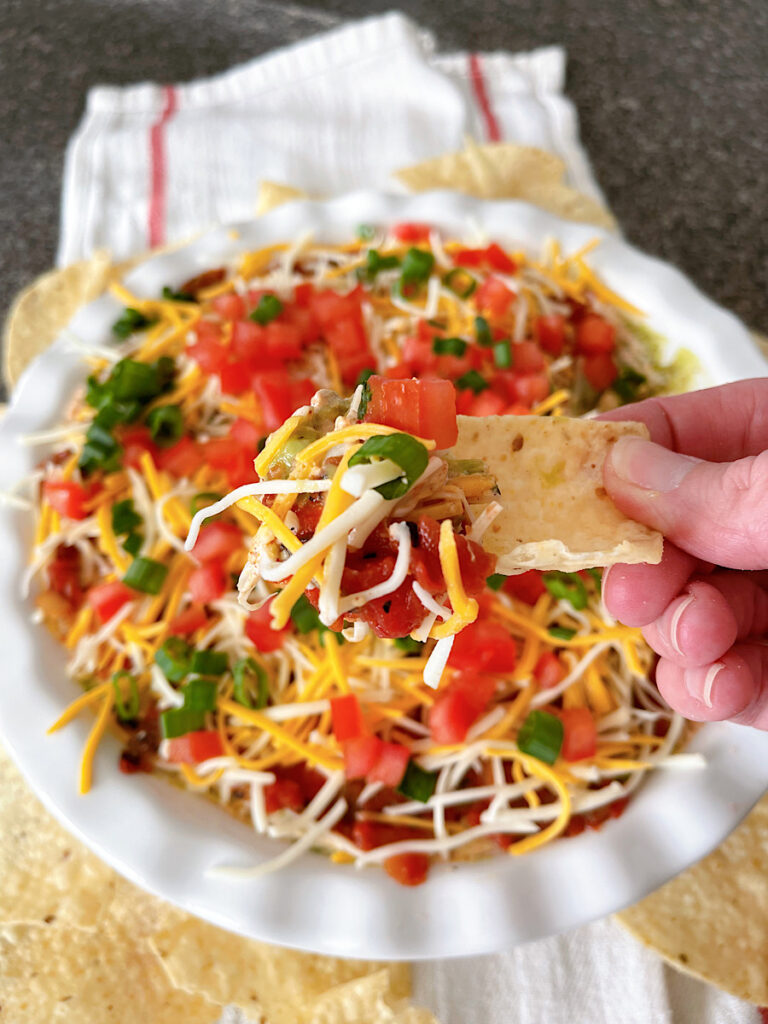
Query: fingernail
[
  {"x": 675, "y": 622},
  {"x": 648, "y": 465},
  {"x": 700, "y": 686}
]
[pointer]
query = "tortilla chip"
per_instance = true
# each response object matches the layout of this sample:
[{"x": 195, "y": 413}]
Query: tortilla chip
[
  {"x": 280, "y": 983},
  {"x": 274, "y": 193},
  {"x": 45, "y": 874},
  {"x": 502, "y": 170},
  {"x": 556, "y": 512},
  {"x": 80, "y": 976},
  {"x": 712, "y": 920},
  {"x": 365, "y": 1001},
  {"x": 44, "y": 308}
]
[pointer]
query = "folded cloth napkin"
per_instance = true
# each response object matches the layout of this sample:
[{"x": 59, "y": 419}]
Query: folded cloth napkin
[{"x": 151, "y": 164}]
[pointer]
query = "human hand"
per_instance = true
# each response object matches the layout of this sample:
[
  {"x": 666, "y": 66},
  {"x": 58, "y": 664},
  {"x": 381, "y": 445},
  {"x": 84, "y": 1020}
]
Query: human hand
[{"x": 702, "y": 481}]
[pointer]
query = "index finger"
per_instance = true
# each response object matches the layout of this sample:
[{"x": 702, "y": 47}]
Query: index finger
[{"x": 717, "y": 424}]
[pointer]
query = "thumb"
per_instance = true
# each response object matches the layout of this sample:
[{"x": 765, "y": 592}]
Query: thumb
[{"x": 716, "y": 511}]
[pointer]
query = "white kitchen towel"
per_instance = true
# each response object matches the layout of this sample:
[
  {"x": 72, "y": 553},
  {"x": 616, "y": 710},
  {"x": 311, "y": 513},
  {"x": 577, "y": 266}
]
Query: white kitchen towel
[{"x": 151, "y": 164}]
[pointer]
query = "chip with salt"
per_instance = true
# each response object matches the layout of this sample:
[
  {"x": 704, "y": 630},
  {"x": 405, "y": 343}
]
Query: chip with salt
[
  {"x": 281, "y": 983},
  {"x": 555, "y": 514},
  {"x": 712, "y": 920},
  {"x": 83, "y": 976},
  {"x": 503, "y": 170}
]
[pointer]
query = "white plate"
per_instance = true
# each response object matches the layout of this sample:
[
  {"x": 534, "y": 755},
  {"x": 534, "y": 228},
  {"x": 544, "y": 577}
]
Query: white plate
[{"x": 165, "y": 839}]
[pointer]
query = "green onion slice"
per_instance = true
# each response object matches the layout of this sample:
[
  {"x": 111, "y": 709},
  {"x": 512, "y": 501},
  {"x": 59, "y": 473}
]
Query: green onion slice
[
  {"x": 402, "y": 449},
  {"x": 179, "y": 721},
  {"x": 460, "y": 282},
  {"x": 483, "y": 332},
  {"x": 374, "y": 263},
  {"x": 561, "y": 632},
  {"x": 130, "y": 320},
  {"x": 166, "y": 424},
  {"x": 305, "y": 618},
  {"x": 628, "y": 384},
  {"x": 132, "y": 543},
  {"x": 496, "y": 580},
  {"x": 146, "y": 575},
  {"x": 449, "y": 346},
  {"x": 566, "y": 586},
  {"x": 174, "y": 658},
  {"x": 210, "y": 663},
  {"x": 473, "y": 381},
  {"x": 417, "y": 784},
  {"x": 200, "y": 695},
  {"x": 417, "y": 266},
  {"x": 251, "y": 687},
  {"x": 203, "y": 500},
  {"x": 408, "y": 645},
  {"x": 541, "y": 736},
  {"x": 127, "y": 710},
  {"x": 597, "y": 576},
  {"x": 174, "y": 296},
  {"x": 268, "y": 308},
  {"x": 125, "y": 518},
  {"x": 502, "y": 354}
]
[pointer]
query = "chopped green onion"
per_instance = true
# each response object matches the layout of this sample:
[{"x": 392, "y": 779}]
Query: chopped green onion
[
  {"x": 209, "y": 663},
  {"x": 541, "y": 736},
  {"x": 408, "y": 645},
  {"x": 502, "y": 354},
  {"x": 402, "y": 449},
  {"x": 251, "y": 687},
  {"x": 146, "y": 575},
  {"x": 417, "y": 784},
  {"x": 561, "y": 632},
  {"x": 166, "y": 425},
  {"x": 200, "y": 695},
  {"x": 112, "y": 412},
  {"x": 132, "y": 544},
  {"x": 174, "y": 658},
  {"x": 131, "y": 379},
  {"x": 127, "y": 710},
  {"x": 304, "y": 617},
  {"x": 125, "y": 518},
  {"x": 496, "y": 580},
  {"x": 267, "y": 310},
  {"x": 130, "y": 320},
  {"x": 203, "y": 500},
  {"x": 449, "y": 346},
  {"x": 417, "y": 266},
  {"x": 365, "y": 232},
  {"x": 472, "y": 380},
  {"x": 460, "y": 282},
  {"x": 628, "y": 383},
  {"x": 363, "y": 376},
  {"x": 566, "y": 586},
  {"x": 179, "y": 721},
  {"x": 100, "y": 451},
  {"x": 365, "y": 398},
  {"x": 597, "y": 576},
  {"x": 165, "y": 369},
  {"x": 374, "y": 263},
  {"x": 173, "y": 296},
  {"x": 483, "y": 332}
]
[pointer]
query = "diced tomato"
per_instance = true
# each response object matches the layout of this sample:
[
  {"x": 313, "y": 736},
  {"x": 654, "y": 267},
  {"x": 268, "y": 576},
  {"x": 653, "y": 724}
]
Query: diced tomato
[
  {"x": 226, "y": 454},
  {"x": 525, "y": 586},
  {"x": 283, "y": 341},
  {"x": 594, "y": 335},
  {"x": 360, "y": 755},
  {"x": 259, "y": 630},
  {"x": 248, "y": 340},
  {"x": 579, "y": 734},
  {"x": 361, "y": 573},
  {"x": 408, "y": 868},
  {"x": 67, "y": 497},
  {"x": 487, "y": 403},
  {"x": 477, "y": 687},
  {"x": 417, "y": 352},
  {"x": 349, "y": 344},
  {"x": 411, "y": 232},
  {"x": 279, "y": 396},
  {"x": 600, "y": 371},
  {"x": 246, "y": 434},
  {"x": 308, "y": 511},
  {"x": 451, "y": 716},
  {"x": 182, "y": 459},
  {"x": 330, "y": 307},
  {"x": 494, "y": 297},
  {"x": 63, "y": 572},
  {"x": 550, "y": 331},
  {"x": 208, "y": 351},
  {"x": 475, "y": 564},
  {"x": 236, "y": 376},
  {"x": 188, "y": 621},
  {"x": 229, "y": 307},
  {"x": 369, "y": 835},
  {"x": 302, "y": 294},
  {"x": 390, "y": 765},
  {"x": 423, "y": 407},
  {"x": 302, "y": 320},
  {"x": 194, "y": 747},
  {"x": 499, "y": 260},
  {"x": 207, "y": 583},
  {"x": 484, "y": 646},
  {"x": 469, "y": 257},
  {"x": 395, "y": 615},
  {"x": 529, "y": 388},
  {"x": 217, "y": 541},
  {"x": 136, "y": 440},
  {"x": 107, "y": 599},
  {"x": 347, "y": 717},
  {"x": 549, "y": 670},
  {"x": 527, "y": 357},
  {"x": 283, "y": 793}
]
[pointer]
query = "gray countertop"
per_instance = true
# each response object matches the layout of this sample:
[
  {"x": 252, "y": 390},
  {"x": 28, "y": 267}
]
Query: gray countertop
[{"x": 672, "y": 98}]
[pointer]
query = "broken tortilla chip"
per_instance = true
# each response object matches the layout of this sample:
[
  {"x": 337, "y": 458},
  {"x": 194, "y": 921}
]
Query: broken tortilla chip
[
  {"x": 556, "y": 514},
  {"x": 273, "y": 194},
  {"x": 506, "y": 171}
]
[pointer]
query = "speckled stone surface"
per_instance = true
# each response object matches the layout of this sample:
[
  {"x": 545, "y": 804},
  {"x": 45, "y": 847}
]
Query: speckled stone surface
[{"x": 672, "y": 96}]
